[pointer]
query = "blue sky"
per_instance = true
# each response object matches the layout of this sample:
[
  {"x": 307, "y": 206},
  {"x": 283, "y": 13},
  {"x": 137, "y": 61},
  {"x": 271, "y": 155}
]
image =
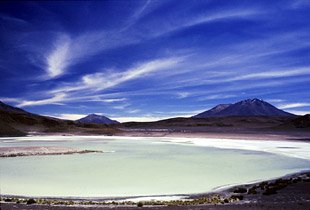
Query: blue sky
[{"x": 148, "y": 60}]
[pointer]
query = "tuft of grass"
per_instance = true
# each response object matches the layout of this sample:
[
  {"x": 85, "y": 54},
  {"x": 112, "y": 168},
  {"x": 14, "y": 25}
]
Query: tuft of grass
[
  {"x": 31, "y": 201},
  {"x": 140, "y": 204},
  {"x": 240, "y": 190}
]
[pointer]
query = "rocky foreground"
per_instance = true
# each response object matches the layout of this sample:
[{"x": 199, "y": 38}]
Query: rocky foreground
[
  {"x": 46, "y": 150},
  {"x": 290, "y": 192}
]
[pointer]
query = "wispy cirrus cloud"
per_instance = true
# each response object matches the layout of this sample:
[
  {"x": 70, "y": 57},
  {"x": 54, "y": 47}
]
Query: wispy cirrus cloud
[
  {"x": 93, "y": 83},
  {"x": 60, "y": 57},
  {"x": 67, "y": 116},
  {"x": 121, "y": 107},
  {"x": 298, "y": 4},
  {"x": 273, "y": 74},
  {"x": 216, "y": 96},
  {"x": 62, "y": 99},
  {"x": 219, "y": 15},
  {"x": 68, "y": 51},
  {"x": 110, "y": 100},
  {"x": 137, "y": 15},
  {"x": 176, "y": 24},
  {"x": 298, "y": 112},
  {"x": 103, "y": 80},
  {"x": 293, "y": 105},
  {"x": 233, "y": 51},
  {"x": 183, "y": 94},
  {"x": 10, "y": 100},
  {"x": 56, "y": 99},
  {"x": 274, "y": 100},
  {"x": 13, "y": 19}
]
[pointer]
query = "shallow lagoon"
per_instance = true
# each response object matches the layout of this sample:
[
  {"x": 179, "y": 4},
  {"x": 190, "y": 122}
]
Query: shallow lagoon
[{"x": 145, "y": 166}]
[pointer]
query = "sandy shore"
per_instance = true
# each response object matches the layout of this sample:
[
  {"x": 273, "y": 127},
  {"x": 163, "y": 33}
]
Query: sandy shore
[
  {"x": 289, "y": 192},
  {"x": 46, "y": 150},
  {"x": 245, "y": 135},
  {"x": 268, "y": 136}
]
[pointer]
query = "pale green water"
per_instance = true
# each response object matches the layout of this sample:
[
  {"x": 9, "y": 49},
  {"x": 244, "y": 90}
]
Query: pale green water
[{"x": 137, "y": 167}]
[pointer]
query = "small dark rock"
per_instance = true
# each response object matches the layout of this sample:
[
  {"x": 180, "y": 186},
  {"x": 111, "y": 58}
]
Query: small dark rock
[
  {"x": 140, "y": 204},
  {"x": 252, "y": 190},
  {"x": 240, "y": 190},
  {"x": 270, "y": 191},
  {"x": 263, "y": 185},
  {"x": 306, "y": 180},
  {"x": 237, "y": 197},
  {"x": 31, "y": 201}
]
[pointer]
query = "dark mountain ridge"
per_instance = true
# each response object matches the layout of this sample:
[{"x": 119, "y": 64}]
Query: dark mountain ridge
[
  {"x": 18, "y": 122},
  {"x": 7, "y": 108},
  {"x": 97, "y": 119},
  {"x": 213, "y": 112},
  {"x": 249, "y": 107}
]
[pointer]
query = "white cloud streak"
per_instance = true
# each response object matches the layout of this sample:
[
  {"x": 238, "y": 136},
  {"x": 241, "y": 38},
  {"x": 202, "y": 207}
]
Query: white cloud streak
[
  {"x": 59, "y": 59},
  {"x": 181, "y": 95},
  {"x": 57, "y": 99},
  {"x": 272, "y": 74},
  {"x": 216, "y": 96},
  {"x": 274, "y": 100},
  {"x": 68, "y": 51},
  {"x": 68, "y": 116},
  {"x": 178, "y": 24},
  {"x": 104, "y": 80},
  {"x": 110, "y": 100},
  {"x": 13, "y": 19},
  {"x": 298, "y": 112},
  {"x": 293, "y": 105},
  {"x": 9, "y": 100}
]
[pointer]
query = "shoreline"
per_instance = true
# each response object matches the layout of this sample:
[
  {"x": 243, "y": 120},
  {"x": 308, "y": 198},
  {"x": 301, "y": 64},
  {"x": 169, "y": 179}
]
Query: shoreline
[
  {"x": 303, "y": 136},
  {"x": 248, "y": 193},
  {"x": 275, "y": 146},
  {"x": 267, "y": 136}
]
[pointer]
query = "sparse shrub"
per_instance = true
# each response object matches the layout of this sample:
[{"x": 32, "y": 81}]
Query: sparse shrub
[
  {"x": 270, "y": 191},
  {"x": 306, "y": 180},
  {"x": 262, "y": 185},
  {"x": 240, "y": 190},
  {"x": 31, "y": 201},
  {"x": 140, "y": 204},
  {"x": 252, "y": 190},
  {"x": 237, "y": 197},
  {"x": 8, "y": 200}
]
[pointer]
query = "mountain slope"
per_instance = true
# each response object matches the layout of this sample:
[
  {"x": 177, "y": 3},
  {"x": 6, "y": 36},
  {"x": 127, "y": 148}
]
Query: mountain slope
[
  {"x": 249, "y": 107},
  {"x": 300, "y": 122},
  {"x": 213, "y": 112},
  {"x": 18, "y": 122},
  {"x": 7, "y": 108},
  {"x": 97, "y": 119}
]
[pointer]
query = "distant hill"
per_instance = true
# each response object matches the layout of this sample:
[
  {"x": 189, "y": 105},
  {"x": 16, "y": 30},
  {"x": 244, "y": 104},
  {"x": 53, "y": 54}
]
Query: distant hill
[
  {"x": 300, "y": 122},
  {"x": 213, "y": 112},
  {"x": 18, "y": 122},
  {"x": 7, "y": 108},
  {"x": 249, "y": 107},
  {"x": 97, "y": 119}
]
